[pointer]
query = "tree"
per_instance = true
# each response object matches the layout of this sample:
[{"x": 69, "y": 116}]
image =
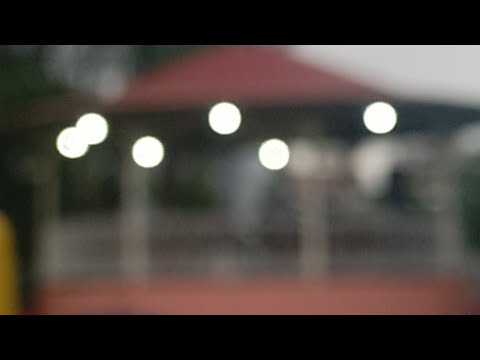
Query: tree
[{"x": 32, "y": 71}]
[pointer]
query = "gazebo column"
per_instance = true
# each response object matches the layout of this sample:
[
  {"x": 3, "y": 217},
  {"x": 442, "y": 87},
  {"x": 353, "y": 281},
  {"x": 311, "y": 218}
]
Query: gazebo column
[
  {"x": 134, "y": 218},
  {"x": 311, "y": 186},
  {"x": 46, "y": 214},
  {"x": 449, "y": 242},
  {"x": 314, "y": 243}
]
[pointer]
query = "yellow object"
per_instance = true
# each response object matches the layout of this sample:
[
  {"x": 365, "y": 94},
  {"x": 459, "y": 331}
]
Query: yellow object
[{"x": 9, "y": 297}]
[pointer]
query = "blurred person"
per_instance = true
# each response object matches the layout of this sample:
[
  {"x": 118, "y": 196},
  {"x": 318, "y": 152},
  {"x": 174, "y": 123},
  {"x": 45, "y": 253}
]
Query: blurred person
[
  {"x": 9, "y": 297},
  {"x": 398, "y": 192},
  {"x": 16, "y": 203}
]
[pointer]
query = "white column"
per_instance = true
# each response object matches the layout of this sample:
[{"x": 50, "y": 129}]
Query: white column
[
  {"x": 449, "y": 241},
  {"x": 310, "y": 175},
  {"x": 314, "y": 242},
  {"x": 134, "y": 218},
  {"x": 46, "y": 215}
]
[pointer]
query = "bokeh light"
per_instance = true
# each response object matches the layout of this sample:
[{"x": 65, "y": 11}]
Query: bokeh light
[
  {"x": 224, "y": 118},
  {"x": 380, "y": 118},
  {"x": 71, "y": 144},
  {"x": 93, "y": 127},
  {"x": 148, "y": 152},
  {"x": 274, "y": 154}
]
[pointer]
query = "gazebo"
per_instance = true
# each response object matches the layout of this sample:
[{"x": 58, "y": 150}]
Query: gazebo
[
  {"x": 278, "y": 96},
  {"x": 210, "y": 208}
]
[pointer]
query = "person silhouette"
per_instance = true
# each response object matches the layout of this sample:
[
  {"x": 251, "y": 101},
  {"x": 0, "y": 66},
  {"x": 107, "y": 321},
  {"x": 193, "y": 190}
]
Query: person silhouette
[{"x": 397, "y": 193}]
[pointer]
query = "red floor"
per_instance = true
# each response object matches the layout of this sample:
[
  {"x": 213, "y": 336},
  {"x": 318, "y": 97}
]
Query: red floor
[{"x": 339, "y": 295}]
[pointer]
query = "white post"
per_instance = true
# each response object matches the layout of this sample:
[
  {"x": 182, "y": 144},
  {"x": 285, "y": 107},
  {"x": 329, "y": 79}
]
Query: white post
[
  {"x": 310, "y": 175},
  {"x": 314, "y": 242},
  {"x": 449, "y": 245},
  {"x": 134, "y": 225},
  {"x": 46, "y": 214}
]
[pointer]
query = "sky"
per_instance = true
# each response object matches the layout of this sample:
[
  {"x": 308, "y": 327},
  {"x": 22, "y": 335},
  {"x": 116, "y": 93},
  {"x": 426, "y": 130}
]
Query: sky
[{"x": 446, "y": 73}]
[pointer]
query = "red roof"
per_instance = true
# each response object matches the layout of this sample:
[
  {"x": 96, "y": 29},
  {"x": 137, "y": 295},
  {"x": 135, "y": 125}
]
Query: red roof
[{"x": 262, "y": 75}]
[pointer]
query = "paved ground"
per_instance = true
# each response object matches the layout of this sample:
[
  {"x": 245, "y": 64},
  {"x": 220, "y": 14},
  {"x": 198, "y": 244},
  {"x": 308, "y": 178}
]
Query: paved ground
[{"x": 336, "y": 295}]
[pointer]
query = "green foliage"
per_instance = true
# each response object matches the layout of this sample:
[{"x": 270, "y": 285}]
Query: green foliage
[
  {"x": 470, "y": 203},
  {"x": 192, "y": 193},
  {"x": 24, "y": 73},
  {"x": 23, "y": 76}
]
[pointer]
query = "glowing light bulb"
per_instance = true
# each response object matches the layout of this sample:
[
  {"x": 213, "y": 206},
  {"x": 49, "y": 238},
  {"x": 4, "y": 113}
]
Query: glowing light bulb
[
  {"x": 93, "y": 127},
  {"x": 274, "y": 154},
  {"x": 148, "y": 152},
  {"x": 380, "y": 118},
  {"x": 71, "y": 144},
  {"x": 224, "y": 118}
]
